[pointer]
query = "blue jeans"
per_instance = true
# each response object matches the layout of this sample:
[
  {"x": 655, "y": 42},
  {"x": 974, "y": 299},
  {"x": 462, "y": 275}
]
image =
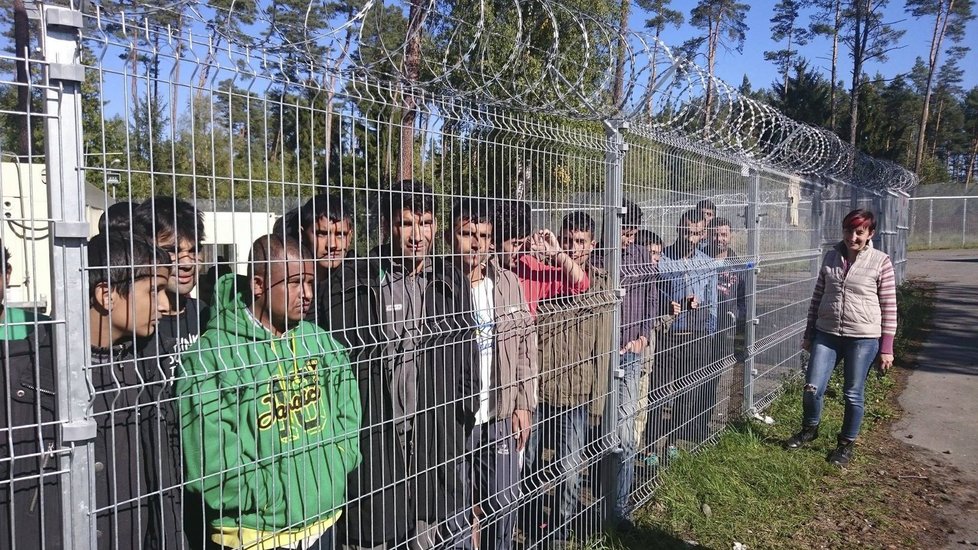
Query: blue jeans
[
  {"x": 857, "y": 355},
  {"x": 563, "y": 429},
  {"x": 628, "y": 399}
]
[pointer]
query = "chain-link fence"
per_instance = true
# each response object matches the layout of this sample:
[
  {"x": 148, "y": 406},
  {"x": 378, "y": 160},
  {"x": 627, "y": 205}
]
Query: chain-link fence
[
  {"x": 291, "y": 275},
  {"x": 943, "y": 216}
]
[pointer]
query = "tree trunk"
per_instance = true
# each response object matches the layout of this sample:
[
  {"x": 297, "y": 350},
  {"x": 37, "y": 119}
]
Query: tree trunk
[
  {"x": 833, "y": 90},
  {"x": 971, "y": 162},
  {"x": 937, "y": 37},
  {"x": 22, "y": 40},
  {"x": 211, "y": 58},
  {"x": 328, "y": 145},
  {"x": 858, "y": 50},
  {"x": 655, "y": 52},
  {"x": 174, "y": 89},
  {"x": 412, "y": 65},
  {"x": 711, "y": 53},
  {"x": 787, "y": 66},
  {"x": 620, "y": 61},
  {"x": 330, "y": 86},
  {"x": 937, "y": 125}
]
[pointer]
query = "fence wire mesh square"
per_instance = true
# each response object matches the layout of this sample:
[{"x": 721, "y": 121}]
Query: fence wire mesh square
[{"x": 290, "y": 275}]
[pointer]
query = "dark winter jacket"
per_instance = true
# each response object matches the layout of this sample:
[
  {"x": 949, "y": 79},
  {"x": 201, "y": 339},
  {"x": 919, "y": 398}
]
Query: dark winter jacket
[
  {"x": 137, "y": 461},
  {"x": 348, "y": 309},
  {"x": 386, "y": 495},
  {"x": 30, "y": 511}
]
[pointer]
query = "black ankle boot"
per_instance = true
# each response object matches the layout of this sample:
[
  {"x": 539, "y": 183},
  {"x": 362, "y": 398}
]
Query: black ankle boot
[
  {"x": 842, "y": 454},
  {"x": 802, "y": 438}
]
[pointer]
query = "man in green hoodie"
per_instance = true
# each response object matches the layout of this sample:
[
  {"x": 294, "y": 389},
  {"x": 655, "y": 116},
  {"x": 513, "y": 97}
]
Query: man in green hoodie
[{"x": 270, "y": 409}]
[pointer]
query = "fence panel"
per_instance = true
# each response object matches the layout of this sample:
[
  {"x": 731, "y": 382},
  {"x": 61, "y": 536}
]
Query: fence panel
[
  {"x": 398, "y": 275},
  {"x": 943, "y": 222}
]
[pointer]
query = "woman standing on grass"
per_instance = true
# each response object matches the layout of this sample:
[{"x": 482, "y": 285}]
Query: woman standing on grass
[{"x": 853, "y": 315}]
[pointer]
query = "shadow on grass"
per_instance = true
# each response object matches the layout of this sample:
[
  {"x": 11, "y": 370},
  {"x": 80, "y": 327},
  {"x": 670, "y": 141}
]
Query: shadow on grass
[{"x": 650, "y": 538}]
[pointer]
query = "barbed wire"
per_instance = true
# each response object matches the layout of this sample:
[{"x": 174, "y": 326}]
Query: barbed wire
[{"x": 539, "y": 56}]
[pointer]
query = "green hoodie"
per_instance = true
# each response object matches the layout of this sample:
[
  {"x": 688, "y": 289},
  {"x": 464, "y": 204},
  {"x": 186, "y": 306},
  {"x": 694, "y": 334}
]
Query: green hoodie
[{"x": 269, "y": 423}]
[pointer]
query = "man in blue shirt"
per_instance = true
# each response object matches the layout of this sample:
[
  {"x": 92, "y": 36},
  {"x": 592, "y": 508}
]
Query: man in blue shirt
[{"x": 689, "y": 276}]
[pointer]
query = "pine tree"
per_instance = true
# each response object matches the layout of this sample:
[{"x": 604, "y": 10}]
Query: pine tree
[
  {"x": 723, "y": 22},
  {"x": 950, "y": 18},
  {"x": 784, "y": 28},
  {"x": 829, "y": 21},
  {"x": 868, "y": 38}
]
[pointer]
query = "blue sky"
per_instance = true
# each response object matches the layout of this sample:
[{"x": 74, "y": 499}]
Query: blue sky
[{"x": 731, "y": 66}]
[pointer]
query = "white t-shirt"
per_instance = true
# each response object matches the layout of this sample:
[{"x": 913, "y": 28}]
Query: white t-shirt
[{"x": 485, "y": 338}]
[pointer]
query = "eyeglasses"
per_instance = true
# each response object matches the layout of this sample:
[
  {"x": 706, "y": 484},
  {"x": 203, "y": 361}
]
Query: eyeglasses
[{"x": 190, "y": 254}]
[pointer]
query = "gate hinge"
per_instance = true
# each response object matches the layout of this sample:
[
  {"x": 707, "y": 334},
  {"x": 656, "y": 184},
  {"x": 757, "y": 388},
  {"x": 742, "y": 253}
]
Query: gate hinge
[
  {"x": 67, "y": 72},
  {"x": 79, "y": 430},
  {"x": 63, "y": 17},
  {"x": 71, "y": 230}
]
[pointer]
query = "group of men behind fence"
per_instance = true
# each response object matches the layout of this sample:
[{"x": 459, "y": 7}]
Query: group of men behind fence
[{"x": 433, "y": 398}]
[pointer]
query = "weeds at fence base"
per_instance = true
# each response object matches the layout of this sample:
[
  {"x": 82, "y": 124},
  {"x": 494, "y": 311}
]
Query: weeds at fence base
[{"x": 758, "y": 494}]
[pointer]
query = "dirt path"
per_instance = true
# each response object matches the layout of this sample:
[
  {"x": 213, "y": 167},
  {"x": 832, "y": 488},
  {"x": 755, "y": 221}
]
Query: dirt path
[{"x": 940, "y": 402}]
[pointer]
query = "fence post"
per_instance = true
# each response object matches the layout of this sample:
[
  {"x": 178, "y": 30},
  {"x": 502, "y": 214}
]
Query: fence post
[
  {"x": 614, "y": 194},
  {"x": 930, "y": 225},
  {"x": 964, "y": 223},
  {"x": 66, "y": 197},
  {"x": 752, "y": 222},
  {"x": 818, "y": 211}
]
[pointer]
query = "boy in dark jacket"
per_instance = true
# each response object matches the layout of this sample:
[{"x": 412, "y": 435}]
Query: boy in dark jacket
[
  {"x": 348, "y": 307},
  {"x": 134, "y": 462},
  {"x": 30, "y": 498},
  {"x": 270, "y": 409},
  {"x": 177, "y": 227},
  {"x": 507, "y": 342},
  {"x": 428, "y": 348}
]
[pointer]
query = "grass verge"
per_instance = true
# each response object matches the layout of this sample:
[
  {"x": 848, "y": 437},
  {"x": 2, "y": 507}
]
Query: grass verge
[{"x": 748, "y": 489}]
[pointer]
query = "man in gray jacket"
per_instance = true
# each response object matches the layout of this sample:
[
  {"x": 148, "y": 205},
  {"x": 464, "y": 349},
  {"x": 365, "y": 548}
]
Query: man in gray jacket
[{"x": 507, "y": 343}]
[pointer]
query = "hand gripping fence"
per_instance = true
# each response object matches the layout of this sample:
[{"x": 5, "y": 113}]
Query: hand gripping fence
[{"x": 403, "y": 274}]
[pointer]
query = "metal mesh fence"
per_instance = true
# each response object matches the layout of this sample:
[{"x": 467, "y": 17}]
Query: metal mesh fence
[
  {"x": 283, "y": 275},
  {"x": 943, "y": 216}
]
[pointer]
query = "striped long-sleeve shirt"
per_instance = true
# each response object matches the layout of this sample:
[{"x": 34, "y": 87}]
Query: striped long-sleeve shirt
[{"x": 855, "y": 299}]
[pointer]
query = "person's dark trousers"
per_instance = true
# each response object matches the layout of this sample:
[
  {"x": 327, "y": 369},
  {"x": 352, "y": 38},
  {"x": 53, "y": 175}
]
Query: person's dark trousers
[
  {"x": 563, "y": 429},
  {"x": 691, "y": 357},
  {"x": 733, "y": 350},
  {"x": 454, "y": 532},
  {"x": 661, "y": 395},
  {"x": 495, "y": 463}
]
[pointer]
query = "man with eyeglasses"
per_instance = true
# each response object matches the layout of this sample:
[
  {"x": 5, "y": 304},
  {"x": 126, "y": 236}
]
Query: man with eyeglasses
[
  {"x": 689, "y": 276},
  {"x": 175, "y": 225}
]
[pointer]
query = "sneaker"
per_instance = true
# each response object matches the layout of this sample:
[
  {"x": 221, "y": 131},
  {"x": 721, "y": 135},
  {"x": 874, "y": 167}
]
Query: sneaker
[
  {"x": 802, "y": 438},
  {"x": 842, "y": 454}
]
